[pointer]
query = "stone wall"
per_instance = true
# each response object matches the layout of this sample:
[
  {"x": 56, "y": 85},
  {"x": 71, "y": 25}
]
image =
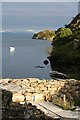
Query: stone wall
[
  {"x": 17, "y": 93},
  {"x": 33, "y": 89}
]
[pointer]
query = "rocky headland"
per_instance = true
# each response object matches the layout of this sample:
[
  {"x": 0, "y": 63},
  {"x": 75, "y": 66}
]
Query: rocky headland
[
  {"x": 17, "y": 94},
  {"x": 44, "y": 35},
  {"x": 65, "y": 54}
]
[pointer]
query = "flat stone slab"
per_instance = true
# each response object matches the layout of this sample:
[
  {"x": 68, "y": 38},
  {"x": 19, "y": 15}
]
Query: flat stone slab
[
  {"x": 45, "y": 110},
  {"x": 63, "y": 113}
]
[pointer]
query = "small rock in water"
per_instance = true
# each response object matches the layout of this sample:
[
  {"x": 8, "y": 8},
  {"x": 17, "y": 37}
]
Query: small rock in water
[
  {"x": 39, "y": 66},
  {"x": 46, "y": 62}
]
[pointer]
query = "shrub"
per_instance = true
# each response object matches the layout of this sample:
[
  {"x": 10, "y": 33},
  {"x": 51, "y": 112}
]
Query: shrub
[
  {"x": 64, "y": 32},
  {"x": 68, "y": 105}
]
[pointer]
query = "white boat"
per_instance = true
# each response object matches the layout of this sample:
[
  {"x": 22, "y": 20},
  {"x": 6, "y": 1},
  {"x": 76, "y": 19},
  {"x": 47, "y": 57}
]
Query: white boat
[{"x": 12, "y": 49}]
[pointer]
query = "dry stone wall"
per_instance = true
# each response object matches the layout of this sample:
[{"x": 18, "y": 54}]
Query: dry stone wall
[
  {"x": 17, "y": 93},
  {"x": 33, "y": 89}
]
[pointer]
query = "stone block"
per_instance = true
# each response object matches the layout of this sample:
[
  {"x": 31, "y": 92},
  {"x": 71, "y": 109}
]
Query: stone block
[{"x": 18, "y": 97}]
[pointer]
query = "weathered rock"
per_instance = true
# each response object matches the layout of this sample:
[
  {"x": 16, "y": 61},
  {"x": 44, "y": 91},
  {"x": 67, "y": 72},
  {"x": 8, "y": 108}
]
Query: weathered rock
[
  {"x": 17, "y": 97},
  {"x": 29, "y": 96},
  {"x": 76, "y": 43},
  {"x": 38, "y": 97},
  {"x": 55, "y": 74},
  {"x": 27, "y": 116},
  {"x": 6, "y": 97}
]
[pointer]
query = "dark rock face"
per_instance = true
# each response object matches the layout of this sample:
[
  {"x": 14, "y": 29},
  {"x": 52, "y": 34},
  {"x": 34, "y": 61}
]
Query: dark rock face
[
  {"x": 6, "y": 98},
  {"x": 65, "y": 56},
  {"x": 74, "y": 25},
  {"x": 55, "y": 74},
  {"x": 76, "y": 43},
  {"x": 51, "y": 59}
]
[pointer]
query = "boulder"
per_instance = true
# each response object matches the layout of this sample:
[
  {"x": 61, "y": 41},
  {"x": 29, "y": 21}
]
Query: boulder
[
  {"x": 18, "y": 97},
  {"x": 46, "y": 62},
  {"x": 6, "y": 97},
  {"x": 56, "y": 74},
  {"x": 38, "y": 97},
  {"x": 76, "y": 43}
]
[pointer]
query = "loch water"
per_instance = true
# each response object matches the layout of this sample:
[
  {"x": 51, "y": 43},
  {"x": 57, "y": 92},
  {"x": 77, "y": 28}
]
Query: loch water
[{"x": 29, "y": 53}]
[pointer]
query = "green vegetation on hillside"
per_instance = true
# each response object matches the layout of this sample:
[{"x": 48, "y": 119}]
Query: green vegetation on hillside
[
  {"x": 65, "y": 56},
  {"x": 63, "y": 32}
]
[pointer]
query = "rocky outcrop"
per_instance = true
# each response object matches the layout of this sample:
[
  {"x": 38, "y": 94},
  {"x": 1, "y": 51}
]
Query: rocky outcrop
[
  {"x": 15, "y": 110},
  {"x": 75, "y": 23},
  {"x": 6, "y": 97},
  {"x": 45, "y": 35},
  {"x": 56, "y": 74},
  {"x": 76, "y": 43},
  {"x": 65, "y": 55},
  {"x": 46, "y": 62}
]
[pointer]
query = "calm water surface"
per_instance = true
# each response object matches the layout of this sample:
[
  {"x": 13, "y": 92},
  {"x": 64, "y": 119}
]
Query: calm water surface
[
  {"x": 29, "y": 16},
  {"x": 28, "y": 54}
]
